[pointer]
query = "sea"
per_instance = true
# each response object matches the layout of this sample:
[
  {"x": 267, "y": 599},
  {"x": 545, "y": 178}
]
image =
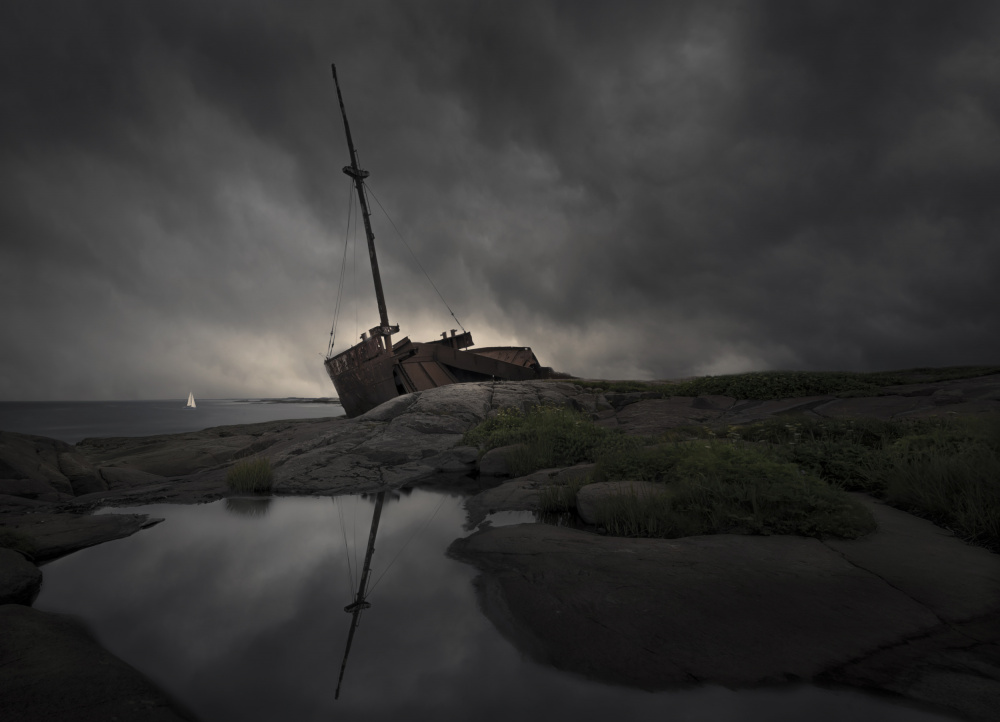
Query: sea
[{"x": 72, "y": 421}]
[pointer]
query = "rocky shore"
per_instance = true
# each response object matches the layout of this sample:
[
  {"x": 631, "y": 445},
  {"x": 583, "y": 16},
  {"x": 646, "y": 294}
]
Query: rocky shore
[{"x": 909, "y": 610}]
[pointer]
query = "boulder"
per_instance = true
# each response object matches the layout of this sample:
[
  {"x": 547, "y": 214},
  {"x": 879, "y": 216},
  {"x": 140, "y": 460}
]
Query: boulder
[
  {"x": 84, "y": 477},
  {"x": 521, "y": 494},
  {"x": 20, "y": 580},
  {"x": 25, "y": 456},
  {"x": 494, "y": 461}
]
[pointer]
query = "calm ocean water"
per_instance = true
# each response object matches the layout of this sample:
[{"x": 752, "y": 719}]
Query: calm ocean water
[{"x": 72, "y": 421}]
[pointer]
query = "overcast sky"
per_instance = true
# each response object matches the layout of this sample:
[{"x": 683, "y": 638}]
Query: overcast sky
[{"x": 633, "y": 189}]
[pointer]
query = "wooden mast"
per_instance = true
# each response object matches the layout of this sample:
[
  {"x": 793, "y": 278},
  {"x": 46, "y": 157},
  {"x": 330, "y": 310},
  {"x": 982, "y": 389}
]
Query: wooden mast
[{"x": 359, "y": 175}]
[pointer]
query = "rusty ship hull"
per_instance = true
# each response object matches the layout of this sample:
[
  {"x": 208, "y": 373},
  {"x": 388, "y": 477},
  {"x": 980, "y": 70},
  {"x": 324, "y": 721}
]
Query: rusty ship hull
[{"x": 369, "y": 373}]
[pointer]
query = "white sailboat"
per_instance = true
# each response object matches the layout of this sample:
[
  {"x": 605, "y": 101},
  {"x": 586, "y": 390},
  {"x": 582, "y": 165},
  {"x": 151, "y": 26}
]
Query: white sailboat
[{"x": 190, "y": 403}]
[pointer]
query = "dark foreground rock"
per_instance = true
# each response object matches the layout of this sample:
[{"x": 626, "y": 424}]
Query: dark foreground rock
[
  {"x": 521, "y": 494},
  {"x": 53, "y": 669},
  {"x": 55, "y": 535},
  {"x": 739, "y": 611},
  {"x": 901, "y": 611},
  {"x": 20, "y": 580}
]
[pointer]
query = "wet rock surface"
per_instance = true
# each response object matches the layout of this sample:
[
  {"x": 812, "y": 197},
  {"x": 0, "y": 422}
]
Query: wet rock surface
[
  {"x": 51, "y": 668},
  {"x": 20, "y": 580},
  {"x": 907, "y": 610},
  {"x": 910, "y": 609},
  {"x": 53, "y": 535},
  {"x": 660, "y": 613}
]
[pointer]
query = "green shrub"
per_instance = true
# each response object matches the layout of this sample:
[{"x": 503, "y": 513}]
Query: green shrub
[
  {"x": 944, "y": 468},
  {"x": 781, "y": 475},
  {"x": 949, "y": 473},
  {"x": 251, "y": 476},
  {"x": 719, "y": 487}
]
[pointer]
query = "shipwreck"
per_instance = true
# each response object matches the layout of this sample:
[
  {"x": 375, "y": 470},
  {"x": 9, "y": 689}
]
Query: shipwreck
[{"x": 377, "y": 369}]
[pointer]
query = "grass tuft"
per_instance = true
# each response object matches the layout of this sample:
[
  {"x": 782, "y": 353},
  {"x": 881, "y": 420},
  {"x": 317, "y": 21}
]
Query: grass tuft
[
  {"x": 251, "y": 476},
  {"x": 559, "y": 498}
]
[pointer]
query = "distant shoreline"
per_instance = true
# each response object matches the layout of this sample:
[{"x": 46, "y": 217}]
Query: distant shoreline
[
  {"x": 284, "y": 400},
  {"x": 289, "y": 400}
]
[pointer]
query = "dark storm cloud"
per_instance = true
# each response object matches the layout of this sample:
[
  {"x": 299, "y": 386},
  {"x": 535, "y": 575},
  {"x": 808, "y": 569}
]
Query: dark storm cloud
[{"x": 652, "y": 189}]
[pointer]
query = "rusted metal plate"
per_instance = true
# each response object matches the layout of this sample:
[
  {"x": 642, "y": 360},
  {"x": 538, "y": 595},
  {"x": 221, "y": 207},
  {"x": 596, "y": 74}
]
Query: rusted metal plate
[
  {"x": 428, "y": 374},
  {"x": 367, "y": 374},
  {"x": 364, "y": 384},
  {"x": 461, "y": 340},
  {"x": 517, "y": 355}
]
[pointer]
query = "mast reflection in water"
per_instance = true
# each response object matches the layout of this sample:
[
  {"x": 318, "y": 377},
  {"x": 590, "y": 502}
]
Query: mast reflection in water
[
  {"x": 238, "y": 615},
  {"x": 360, "y": 602}
]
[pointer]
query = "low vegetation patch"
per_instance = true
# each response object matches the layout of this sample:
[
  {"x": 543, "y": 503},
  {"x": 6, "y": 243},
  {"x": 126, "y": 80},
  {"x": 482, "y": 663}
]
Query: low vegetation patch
[
  {"x": 791, "y": 384},
  {"x": 549, "y": 437},
  {"x": 561, "y": 498},
  {"x": 944, "y": 469},
  {"x": 716, "y": 487},
  {"x": 785, "y": 475},
  {"x": 949, "y": 473},
  {"x": 250, "y": 476}
]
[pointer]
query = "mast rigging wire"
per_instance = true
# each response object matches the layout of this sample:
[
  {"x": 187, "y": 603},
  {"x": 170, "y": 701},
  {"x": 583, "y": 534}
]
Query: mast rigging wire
[
  {"x": 351, "y": 212},
  {"x": 416, "y": 260},
  {"x": 343, "y": 266},
  {"x": 371, "y": 586},
  {"x": 347, "y": 554}
]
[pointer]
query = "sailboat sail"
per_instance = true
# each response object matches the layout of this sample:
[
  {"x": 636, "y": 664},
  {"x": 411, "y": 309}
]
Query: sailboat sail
[{"x": 190, "y": 403}]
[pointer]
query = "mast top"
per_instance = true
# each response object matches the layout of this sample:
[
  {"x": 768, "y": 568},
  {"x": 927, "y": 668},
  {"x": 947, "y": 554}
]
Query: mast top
[{"x": 354, "y": 171}]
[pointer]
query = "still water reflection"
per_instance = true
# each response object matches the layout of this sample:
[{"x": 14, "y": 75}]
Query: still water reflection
[{"x": 237, "y": 609}]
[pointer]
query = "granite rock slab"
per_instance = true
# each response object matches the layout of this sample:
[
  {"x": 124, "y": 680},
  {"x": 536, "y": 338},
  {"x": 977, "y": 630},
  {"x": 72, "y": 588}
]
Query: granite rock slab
[
  {"x": 20, "y": 580},
  {"x": 51, "y": 668},
  {"x": 57, "y": 534}
]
